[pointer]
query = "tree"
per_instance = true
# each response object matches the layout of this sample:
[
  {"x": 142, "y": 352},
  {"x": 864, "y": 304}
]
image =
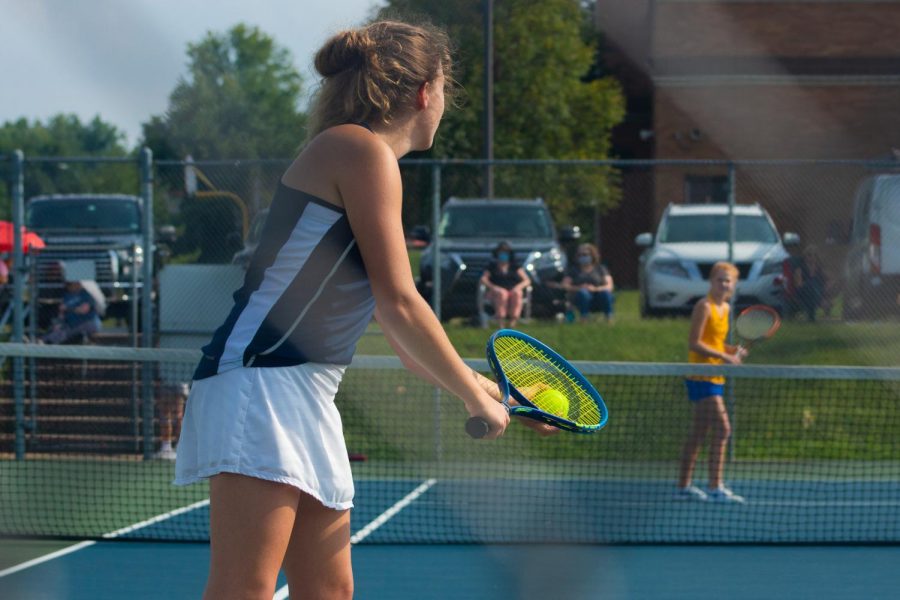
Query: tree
[
  {"x": 64, "y": 135},
  {"x": 547, "y": 106},
  {"x": 241, "y": 99}
]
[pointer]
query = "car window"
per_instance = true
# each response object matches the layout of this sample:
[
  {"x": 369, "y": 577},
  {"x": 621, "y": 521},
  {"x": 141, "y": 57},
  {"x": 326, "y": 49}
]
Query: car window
[
  {"x": 714, "y": 228},
  {"x": 504, "y": 223},
  {"x": 91, "y": 214}
]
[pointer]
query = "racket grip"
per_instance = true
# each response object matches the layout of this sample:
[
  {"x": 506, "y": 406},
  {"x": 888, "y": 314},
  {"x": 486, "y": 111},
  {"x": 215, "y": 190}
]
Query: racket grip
[{"x": 477, "y": 427}]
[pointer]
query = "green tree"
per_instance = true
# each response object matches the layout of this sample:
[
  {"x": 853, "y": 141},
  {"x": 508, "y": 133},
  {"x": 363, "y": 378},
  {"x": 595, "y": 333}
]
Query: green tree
[
  {"x": 240, "y": 99},
  {"x": 546, "y": 103},
  {"x": 65, "y": 135}
]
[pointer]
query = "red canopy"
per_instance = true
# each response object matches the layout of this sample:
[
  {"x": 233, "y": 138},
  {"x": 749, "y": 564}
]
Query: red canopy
[{"x": 29, "y": 238}]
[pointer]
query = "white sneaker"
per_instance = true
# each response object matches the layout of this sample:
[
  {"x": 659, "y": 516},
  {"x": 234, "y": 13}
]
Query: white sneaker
[
  {"x": 724, "y": 495},
  {"x": 165, "y": 454},
  {"x": 691, "y": 492}
]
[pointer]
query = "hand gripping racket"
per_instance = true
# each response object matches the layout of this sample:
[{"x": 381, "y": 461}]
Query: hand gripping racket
[
  {"x": 756, "y": 323},
  {"x": 544, "y": 385}
]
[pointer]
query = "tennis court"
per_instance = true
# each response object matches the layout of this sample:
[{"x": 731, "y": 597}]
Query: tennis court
[
  {"x": 112, "y": 569},
  {"x": 442, "y": 516}
]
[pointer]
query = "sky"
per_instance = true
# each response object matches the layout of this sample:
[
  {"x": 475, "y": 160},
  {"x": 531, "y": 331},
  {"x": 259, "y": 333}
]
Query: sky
[{"x": 120, "y": 59}]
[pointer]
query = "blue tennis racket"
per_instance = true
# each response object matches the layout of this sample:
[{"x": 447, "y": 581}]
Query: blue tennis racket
[{"x": 544, "y": 385}]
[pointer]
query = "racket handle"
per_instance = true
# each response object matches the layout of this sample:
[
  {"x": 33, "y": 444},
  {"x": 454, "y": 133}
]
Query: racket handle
[{"x": 477, "y": 427}]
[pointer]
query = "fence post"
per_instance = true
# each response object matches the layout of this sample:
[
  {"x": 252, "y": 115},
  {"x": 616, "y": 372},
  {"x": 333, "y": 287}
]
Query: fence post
[
  {"x": 436, "y": 289},
  {"x": 731, "y": 203},
  {"x": 436, "y": 272},
  {"x": 732, "y": 227},
  {"x": 20, "y": 272},
  {"x": 147, "y": 399}
]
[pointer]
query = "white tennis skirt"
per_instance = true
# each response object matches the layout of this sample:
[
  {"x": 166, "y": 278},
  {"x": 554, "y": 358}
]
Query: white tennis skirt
[{"x": 274, "y": 423}]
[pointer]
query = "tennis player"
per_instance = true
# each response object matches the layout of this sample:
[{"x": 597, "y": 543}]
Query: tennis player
[
  {"x": 706, "y": 345},
  {"x": 260, "y": 421}
]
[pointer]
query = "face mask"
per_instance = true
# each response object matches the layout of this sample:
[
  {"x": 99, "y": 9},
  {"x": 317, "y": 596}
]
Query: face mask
[
  {"x": 585, "y": 260},
  {"x": 503, "y": 256}
]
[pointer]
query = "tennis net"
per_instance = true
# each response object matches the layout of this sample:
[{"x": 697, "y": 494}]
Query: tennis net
[{"x": 815, "y": 451}]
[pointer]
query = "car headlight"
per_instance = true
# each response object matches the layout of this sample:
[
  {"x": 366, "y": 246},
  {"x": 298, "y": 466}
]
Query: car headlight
[
  {"x": 669, "y": 267},
  {"x": 450, "y": 261},
  {"x": 771, "y": 268},
  {"x": 546, "y": 263}
]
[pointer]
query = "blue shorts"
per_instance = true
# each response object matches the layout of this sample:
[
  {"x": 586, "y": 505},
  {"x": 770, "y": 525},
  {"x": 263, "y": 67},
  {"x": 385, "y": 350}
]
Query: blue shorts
[{"x": 698, "y": 390}]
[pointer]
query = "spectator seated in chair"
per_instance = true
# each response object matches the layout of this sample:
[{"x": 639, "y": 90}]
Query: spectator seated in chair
[
  {"x": 589, "y": 285},
  {"x": 78, "y": 318},
  {"x": 505, "y": 283}
]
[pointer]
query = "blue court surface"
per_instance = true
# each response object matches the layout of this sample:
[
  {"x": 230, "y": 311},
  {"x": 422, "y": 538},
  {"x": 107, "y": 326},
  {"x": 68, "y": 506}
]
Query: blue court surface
[
  {"x": 138, "y": 570},
  {"x": 116, "y": 570}
]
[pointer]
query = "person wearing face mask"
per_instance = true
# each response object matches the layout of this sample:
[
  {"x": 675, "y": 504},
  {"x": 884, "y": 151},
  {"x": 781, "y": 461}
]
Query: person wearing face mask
[
  {"x": 589, "y": 285},
  {"x": 505, "y": 282}
]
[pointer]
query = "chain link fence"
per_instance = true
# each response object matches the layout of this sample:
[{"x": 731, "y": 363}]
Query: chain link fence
[
  {"x": 166, "y": 244},
  {"x": 209, "y": 212}
]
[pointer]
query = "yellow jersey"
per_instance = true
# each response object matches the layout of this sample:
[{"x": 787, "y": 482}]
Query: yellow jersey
[{"x": 715, "y": 330}]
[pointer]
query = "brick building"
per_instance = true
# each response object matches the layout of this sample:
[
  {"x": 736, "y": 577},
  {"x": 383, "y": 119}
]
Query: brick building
[{"x": 755, "y": 80}]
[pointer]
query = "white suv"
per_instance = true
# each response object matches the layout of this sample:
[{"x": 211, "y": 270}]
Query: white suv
[{"x": 674, "y": 269}]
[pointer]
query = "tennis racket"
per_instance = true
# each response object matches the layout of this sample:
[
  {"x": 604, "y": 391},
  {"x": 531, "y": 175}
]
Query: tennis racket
[
  {"x": 544, "y": 385},
  {"x": 756, "y": 323}
]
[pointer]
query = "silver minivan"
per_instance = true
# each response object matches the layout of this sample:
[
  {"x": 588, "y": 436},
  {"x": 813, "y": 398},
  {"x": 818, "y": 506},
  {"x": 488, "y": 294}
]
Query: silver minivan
[{"x": 872, "y": 272}]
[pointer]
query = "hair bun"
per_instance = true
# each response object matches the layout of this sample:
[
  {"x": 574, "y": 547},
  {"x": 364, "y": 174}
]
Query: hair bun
[{"x": 346, "y": 50}]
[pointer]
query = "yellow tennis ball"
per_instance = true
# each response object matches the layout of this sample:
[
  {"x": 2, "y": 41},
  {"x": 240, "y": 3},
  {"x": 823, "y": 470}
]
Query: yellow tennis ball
[{"x": 553, "y": 402}]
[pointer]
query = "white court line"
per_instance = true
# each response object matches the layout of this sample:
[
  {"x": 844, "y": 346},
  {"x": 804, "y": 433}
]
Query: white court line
[
  {"x": 282, "y": 593},
  {"x": 46, "y": 557},
  {"x": 110, "y": 535},
  {"x": 156, "y": 519},
  {"x": 383, "y": 517}
]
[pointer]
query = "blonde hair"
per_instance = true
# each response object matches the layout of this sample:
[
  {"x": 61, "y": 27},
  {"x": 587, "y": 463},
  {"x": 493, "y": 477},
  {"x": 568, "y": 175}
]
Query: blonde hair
[
  {"x": 372, "y": 73},
  {"x": 724, "y": 266}
]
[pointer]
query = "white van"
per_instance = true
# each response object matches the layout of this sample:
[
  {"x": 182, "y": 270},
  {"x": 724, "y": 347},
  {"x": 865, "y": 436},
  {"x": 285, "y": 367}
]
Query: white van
[{"x": 872, "y": 272}]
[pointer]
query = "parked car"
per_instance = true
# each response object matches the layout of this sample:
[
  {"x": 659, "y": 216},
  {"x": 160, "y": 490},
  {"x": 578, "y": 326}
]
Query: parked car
[
  {"x": 101, "y": 230},
  {"x": 470, "y": 229},
  {"x": 673, "y": 271},
  {"x": 872, "y": 271}
]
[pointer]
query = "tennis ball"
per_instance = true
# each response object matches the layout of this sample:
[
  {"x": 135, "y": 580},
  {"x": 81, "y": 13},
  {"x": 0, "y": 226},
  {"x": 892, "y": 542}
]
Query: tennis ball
[{"x": 553, "y": 402}]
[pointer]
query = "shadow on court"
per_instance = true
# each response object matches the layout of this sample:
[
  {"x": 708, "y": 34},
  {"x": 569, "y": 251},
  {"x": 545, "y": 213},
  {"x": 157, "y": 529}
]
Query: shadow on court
[{"x": 115, "y": 570}]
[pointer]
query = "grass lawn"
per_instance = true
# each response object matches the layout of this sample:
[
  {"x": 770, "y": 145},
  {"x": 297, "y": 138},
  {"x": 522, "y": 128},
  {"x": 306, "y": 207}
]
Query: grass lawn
[
  {"x": 775, "y": 419},
  {"x": 631, "y": 338}
]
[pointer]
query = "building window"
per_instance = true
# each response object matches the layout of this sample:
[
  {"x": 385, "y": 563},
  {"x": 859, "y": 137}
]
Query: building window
[{"x": 706, "y": 189}]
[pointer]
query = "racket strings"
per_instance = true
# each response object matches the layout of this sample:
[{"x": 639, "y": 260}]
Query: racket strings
[
  {"x": 756, "y": 324},
  {"x": 531, "y": 371}
]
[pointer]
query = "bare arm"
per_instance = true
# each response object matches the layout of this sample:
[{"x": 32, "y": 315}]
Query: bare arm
[
  {"x": 608, "y": 283},
  {"x": 524, "y": 279},
  {"x": 486, "y": 280},
  {"x": 369, "y": 184},
  {"x": 486, "y": 384}
]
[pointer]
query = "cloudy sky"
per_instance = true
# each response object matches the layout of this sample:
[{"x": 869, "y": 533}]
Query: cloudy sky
[{"x": 120, "y": 59}]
